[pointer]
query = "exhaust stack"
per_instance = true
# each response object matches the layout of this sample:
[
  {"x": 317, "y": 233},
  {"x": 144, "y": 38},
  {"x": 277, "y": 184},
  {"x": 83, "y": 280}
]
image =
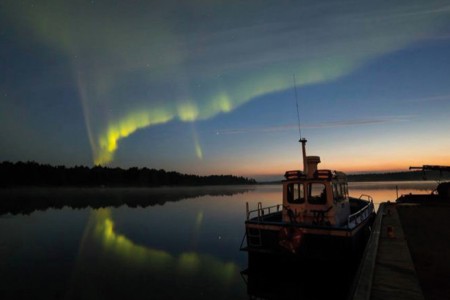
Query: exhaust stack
[
  {"x": 309, "y": 162},
  {"x": 305, "y": 165}
]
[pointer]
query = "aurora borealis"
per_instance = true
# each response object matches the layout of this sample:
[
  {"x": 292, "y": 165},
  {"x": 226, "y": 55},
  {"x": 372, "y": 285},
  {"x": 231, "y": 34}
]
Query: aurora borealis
[{"x": 207, "y": 86}]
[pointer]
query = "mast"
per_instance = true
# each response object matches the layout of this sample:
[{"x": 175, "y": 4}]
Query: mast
[{"x": 302, "y": 140}]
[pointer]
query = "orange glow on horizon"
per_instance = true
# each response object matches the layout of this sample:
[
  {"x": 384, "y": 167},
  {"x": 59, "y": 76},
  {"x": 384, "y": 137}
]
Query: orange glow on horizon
[{"x": 267, "y": 169}]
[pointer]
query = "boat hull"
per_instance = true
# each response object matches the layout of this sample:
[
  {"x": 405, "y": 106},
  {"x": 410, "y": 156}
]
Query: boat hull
[{"x": 296, "y": 241}]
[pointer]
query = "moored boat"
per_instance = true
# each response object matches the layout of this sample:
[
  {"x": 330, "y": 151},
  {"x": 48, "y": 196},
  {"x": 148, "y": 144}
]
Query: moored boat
[
  {"x": 439, "y": 195},
  {"x": 316, "y": 220}
]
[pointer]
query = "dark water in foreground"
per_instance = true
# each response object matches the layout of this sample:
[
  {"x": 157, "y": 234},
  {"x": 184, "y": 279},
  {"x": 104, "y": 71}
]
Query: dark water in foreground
[{"x": 185, "y": 248}]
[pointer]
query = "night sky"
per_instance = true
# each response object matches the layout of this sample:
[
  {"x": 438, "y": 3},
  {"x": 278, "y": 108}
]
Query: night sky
[{"x": 207, "y": 87}]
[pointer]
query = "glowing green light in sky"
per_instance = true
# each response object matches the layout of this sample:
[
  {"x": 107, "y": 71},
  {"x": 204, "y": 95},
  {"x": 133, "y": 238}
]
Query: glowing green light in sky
[
  {"x": 108, "y": 141},
  {"x": 137, "y": 67}
]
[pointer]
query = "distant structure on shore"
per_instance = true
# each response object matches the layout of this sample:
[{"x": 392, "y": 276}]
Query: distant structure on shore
[
  {"x": 34, "y": 174},
  {"x": 400, "y": 176},
  {"x": 390, "y": 176}
]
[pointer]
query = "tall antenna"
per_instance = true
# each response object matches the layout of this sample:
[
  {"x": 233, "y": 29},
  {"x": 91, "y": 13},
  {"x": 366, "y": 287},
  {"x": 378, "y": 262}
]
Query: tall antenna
[
  {"x": 301, "y": 140},
  {"x": 296, "y": 102}
]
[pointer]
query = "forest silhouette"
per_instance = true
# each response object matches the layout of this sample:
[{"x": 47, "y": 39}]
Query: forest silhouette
[{"x": 35, "y": 174}]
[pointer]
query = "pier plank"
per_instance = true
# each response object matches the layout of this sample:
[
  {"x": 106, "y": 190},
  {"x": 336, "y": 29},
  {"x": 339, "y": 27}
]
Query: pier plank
[{"x": 394, "y": 274}]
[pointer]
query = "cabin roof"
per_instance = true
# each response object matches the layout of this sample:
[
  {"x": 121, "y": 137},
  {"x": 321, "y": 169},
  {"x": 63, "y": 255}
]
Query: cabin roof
[{"x": 319, "y": 175}]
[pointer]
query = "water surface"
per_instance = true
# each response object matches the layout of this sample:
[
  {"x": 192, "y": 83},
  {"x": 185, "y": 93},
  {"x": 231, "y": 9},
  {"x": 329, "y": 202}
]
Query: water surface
[{"x": 183, "y": 247}]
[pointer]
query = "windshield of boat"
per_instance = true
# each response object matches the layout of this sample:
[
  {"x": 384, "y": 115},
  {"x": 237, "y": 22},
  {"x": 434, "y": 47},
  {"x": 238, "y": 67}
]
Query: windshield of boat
[
  {"x": 340, "y": 191},
  {"x": 317, "y": 193},
  {"x": 296, "y": 193}
]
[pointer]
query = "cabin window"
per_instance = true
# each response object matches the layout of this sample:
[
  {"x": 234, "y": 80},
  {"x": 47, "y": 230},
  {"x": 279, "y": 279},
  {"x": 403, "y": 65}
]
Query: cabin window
[
  {"x": 338, "y": 191},
  {"x": 296, "y": 193},
  {"x": 344, "y": 188},
  {"x": 317, "y": 193}
]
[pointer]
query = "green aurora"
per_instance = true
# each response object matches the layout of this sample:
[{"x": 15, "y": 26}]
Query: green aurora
[{"x": 141, "y": 64}]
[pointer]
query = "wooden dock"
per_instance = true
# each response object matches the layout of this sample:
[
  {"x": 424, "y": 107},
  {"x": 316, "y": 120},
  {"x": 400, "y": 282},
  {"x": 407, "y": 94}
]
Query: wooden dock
[{"x": 408, "y": 254}]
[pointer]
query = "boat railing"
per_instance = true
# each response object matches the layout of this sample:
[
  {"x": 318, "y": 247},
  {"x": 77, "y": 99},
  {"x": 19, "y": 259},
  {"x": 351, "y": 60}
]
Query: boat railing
[
  {"x": 261, "y": 211},
  {"x": 362, "y": 214},
  {"x": 369, "y": 198}
]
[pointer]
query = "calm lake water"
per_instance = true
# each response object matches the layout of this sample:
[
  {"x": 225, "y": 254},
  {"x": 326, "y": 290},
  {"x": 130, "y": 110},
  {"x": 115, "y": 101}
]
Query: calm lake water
[{"x": 183, "y": 248}]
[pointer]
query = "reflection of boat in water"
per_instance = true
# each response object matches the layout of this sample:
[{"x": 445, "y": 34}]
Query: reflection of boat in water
[
  {"x": 284, "y": 281},
  {"x": 440, "y": 195},
  {"x": 317, "y": 218}
]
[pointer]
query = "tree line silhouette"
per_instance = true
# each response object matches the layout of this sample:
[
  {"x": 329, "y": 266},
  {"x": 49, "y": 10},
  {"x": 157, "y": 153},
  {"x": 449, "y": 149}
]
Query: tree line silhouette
[{"x": 35, "y": 174}]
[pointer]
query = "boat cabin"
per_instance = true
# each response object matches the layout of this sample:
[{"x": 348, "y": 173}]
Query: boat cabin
[{"x": 315, "y": 197}]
